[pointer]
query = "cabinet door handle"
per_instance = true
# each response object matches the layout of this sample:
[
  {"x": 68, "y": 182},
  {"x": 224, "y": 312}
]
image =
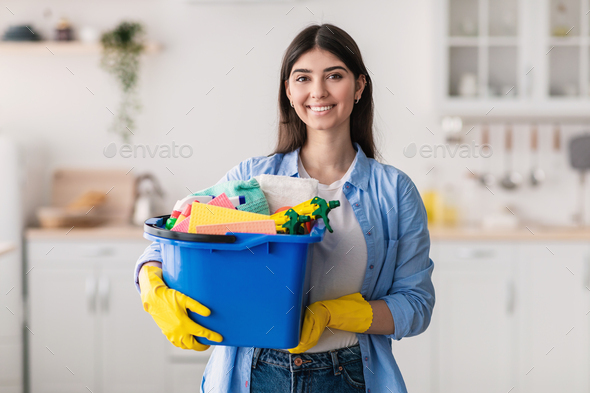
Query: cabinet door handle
[
  {"x": 103, "y": 290},
  {"x": 510, "y": 297},
  {"x": 91, "y": 294}
]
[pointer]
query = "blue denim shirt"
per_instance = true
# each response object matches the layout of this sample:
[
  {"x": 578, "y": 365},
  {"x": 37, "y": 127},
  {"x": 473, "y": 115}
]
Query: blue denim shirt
[{"x": 399, "y": 270}]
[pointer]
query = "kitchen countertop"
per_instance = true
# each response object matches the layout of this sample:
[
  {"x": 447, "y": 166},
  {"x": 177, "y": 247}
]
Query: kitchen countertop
[
  {"x": 123, "y": 232},
  {"x": 525, "y": 233}
]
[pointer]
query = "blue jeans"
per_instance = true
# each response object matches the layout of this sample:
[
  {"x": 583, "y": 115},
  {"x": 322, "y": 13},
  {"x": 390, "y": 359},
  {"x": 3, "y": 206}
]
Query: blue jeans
[{"x": 279, "y": 371}]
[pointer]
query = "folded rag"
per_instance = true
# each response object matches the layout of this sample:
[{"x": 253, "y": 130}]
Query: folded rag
[
  {"x": 286, "y": 191},
  {"x": 250, "y": 189}
]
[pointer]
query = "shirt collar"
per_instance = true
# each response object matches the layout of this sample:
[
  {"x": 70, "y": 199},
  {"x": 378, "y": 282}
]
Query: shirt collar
[{"x": 358, "y": 177}]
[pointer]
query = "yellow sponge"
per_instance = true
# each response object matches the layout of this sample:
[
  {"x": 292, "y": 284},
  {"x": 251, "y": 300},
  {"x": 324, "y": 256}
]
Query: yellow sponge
[{"x": 202, "y": 214}]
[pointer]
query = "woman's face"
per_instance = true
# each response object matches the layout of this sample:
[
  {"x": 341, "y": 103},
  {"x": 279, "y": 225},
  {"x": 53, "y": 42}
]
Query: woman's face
[{"x": 319, "y": 79}]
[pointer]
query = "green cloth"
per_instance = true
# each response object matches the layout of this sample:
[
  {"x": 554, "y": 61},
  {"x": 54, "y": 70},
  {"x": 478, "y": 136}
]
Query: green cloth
[{"x": 250, "y": 189}]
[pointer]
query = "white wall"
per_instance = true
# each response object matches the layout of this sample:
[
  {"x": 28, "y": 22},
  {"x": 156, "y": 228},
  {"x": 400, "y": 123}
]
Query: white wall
[{"x": 60, "y": 123}]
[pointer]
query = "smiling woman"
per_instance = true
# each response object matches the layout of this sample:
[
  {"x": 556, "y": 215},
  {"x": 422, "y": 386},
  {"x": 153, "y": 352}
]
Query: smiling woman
[
  {"x": 323, "y": 67},
  {"x": 356, "y": 305},
  {"x": 369, "y": 280}
]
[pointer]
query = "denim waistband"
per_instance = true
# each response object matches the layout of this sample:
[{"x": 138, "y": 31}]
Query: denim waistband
[{"x": 308, "y": 361}]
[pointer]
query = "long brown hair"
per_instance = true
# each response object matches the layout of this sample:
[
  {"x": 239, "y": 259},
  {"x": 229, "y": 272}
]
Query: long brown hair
[{"x": 292, "y": 130}]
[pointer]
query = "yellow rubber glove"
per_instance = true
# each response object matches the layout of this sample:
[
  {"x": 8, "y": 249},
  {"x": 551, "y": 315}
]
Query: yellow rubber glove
[
  {"x": 351, "y": 313},
  {"x": 168, "y": 308}
]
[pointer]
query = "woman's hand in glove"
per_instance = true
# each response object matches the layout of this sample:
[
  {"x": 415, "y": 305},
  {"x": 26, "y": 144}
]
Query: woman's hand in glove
[
  {"x": 168, "y": 307},
  {"x": 351, "y": 313}
]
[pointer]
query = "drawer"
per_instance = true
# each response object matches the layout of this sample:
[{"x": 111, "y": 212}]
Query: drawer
[
  {"x": 474, "y": 251},
  {"x": 41, "y": 250}
]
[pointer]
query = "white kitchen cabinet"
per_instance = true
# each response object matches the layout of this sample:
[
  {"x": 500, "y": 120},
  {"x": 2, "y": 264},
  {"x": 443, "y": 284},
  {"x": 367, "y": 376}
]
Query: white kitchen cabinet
[
  {"x": 469, "y": 345},
  {"x": 513, "y": 58},
  {"x": 503, "y": 320},
  {"x": 133, "y": 346},
  {"x": 475, "y": 335},
  {"x": 554, "y": 330},
  {"x": 414, "y": 355},
  {"x": 62, "y": 327},
  {"x": 88, "y": 330},
  {"x": 509, "y": 316},
  {"x": 11, "y": 322}
]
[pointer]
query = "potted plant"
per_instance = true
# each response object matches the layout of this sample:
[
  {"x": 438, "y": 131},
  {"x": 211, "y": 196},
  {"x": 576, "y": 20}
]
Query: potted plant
[{"x": 121, "y": 51}]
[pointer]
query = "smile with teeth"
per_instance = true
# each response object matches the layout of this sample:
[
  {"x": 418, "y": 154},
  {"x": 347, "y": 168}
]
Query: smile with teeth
[{"x": 321, "y": 108}]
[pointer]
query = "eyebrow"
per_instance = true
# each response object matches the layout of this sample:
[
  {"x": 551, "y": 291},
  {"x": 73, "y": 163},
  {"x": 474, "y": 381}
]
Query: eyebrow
[{"x": 305, "y": 70}]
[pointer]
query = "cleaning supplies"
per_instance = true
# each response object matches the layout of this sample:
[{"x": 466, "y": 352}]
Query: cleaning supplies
[
  {"x": 187, "y": 201},
  {"x": 205, "y": 210},
  {"x": 285, "y": 190},
  {"x": 317, "y": 207},
  {"x": 221, "y": 201},
  {"x": 250, "y": 189},
  {"x": 263, "y": 226},
  {"x": 173, "y": 216},
  {"x": 250, "y": 282},
  {"x": 186, "y": 212},
  {"x": 202, "y": 214}
]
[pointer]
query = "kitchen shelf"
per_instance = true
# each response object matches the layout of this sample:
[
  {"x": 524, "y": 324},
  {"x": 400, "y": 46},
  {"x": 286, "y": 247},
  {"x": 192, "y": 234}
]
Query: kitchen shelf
[
  {"x": 538, "y": 51},
  {"x": 564, "y": 110},
  {"x": 60, "y": 47}
]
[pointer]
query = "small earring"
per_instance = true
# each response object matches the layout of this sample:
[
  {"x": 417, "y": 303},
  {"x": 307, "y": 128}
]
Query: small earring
[
  {"x": 292, "y": 104},
  {"x": 357, "y": 101}
]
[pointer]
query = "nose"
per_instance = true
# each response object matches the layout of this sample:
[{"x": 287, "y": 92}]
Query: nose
[{"x": 318, "y": 89}]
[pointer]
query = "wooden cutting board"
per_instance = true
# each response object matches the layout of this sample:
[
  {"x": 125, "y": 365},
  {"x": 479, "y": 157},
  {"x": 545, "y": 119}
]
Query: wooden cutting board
[{"x": 118, "y": 185}]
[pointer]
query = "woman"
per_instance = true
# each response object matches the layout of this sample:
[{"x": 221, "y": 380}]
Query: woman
[{"x": 371, "y": 277}]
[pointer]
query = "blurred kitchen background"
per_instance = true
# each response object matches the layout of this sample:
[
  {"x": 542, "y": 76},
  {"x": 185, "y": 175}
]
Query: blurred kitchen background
[{"x": 484, "y": 103}]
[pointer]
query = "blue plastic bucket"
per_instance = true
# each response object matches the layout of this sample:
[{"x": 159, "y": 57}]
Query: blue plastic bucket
[{"x": 252, "y": 283}]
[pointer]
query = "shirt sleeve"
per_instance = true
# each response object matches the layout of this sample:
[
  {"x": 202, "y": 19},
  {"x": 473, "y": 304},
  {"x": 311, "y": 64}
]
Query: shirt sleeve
[
  {"x": 411, "y": 297},
  {"x": 238, "y": 172},
  {"x": 153, "y": 252}
]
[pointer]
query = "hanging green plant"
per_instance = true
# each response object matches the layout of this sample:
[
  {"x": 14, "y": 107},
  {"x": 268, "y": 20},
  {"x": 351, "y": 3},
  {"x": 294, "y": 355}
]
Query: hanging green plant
[{"x": 121, "y": 51}]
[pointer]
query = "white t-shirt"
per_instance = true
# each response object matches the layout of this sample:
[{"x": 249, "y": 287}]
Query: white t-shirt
[{"x": 339, "y": 261}]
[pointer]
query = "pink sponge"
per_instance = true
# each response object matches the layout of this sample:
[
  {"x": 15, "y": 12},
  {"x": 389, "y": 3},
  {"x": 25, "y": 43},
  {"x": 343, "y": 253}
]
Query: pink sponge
[
  {"x": 263, "y": 226},
  {"x": 221, "y": 200},
  {"x": 183, "y": 226}
]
